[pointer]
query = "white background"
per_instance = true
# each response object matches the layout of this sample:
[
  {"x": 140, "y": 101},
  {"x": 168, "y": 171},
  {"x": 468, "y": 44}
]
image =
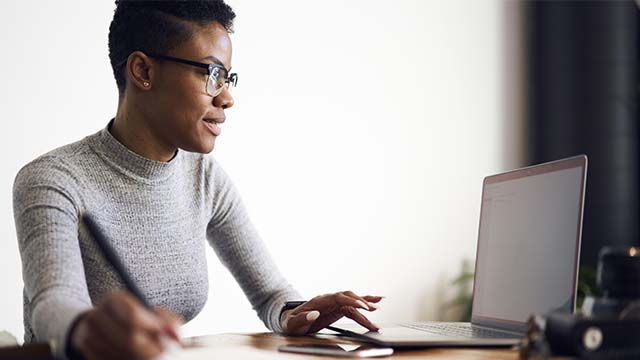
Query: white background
[{"x": 359, "y": 138}]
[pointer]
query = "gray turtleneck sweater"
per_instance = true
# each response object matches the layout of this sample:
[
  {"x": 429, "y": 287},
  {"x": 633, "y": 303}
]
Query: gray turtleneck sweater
[{"x": 158, "y": 216}]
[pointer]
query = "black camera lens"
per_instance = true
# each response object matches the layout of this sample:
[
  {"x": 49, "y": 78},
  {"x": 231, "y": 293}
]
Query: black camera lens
[
  {"x": 619, "y": 272},
  {"x": 619, "y": 279}
]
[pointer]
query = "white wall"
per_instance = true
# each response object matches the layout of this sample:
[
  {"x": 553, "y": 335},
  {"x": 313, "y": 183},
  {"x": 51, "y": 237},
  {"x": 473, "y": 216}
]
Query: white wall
[{"x": 360, "y": 135}]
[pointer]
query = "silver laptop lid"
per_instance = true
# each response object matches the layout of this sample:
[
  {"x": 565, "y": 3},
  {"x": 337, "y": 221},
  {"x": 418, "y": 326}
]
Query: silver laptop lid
[{"x": 529, "y": 243}]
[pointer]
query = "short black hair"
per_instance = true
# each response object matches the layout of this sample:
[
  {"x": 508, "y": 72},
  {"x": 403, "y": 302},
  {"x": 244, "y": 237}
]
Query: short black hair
[{"x": 159, "y": 26}]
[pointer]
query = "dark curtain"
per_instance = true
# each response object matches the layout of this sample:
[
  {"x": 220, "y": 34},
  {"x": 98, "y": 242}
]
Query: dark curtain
[{"x": 582, "y": 98}]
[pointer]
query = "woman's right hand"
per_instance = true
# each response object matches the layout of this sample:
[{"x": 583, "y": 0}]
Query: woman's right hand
[{"x": 121, "y": 328}]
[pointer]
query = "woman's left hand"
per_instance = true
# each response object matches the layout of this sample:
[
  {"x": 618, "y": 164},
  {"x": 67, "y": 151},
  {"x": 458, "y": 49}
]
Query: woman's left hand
[{"x": 324, "y": 310}]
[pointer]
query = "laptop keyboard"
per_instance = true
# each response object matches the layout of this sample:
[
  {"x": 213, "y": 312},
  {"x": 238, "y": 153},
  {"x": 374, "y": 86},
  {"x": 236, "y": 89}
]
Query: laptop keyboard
[{"x": 464, "y": 330}]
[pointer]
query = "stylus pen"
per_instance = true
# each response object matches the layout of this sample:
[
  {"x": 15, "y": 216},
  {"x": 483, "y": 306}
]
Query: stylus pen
[
  {"x": 335, "y": 329},
  {"x": 342, "y": 332},
  {"x": 112, "y": 258}
]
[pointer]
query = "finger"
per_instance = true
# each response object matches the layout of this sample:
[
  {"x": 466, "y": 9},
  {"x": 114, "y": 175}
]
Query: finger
[
  {"x": 317, "y": 303},
  {"x": 89, "y": 353},
  {"x": 172, "y": 321},
  {"x": 343, "y": 300},
  {"x": 327, "y": 303},
  {"x": 356, "y": 316},
  {"x": 325, "y": 320},
  {"x": 96, "y": 349},
  {"x": 142, "y": 345},
  {"x": 300, "y": 323},
  {"x": 134, "y": 343},
  {"x": 103, "y": 326},
  {"x": 373, "y": 298},
  {"x": 373, "y": 301},
  {"x": 129, "y": 313},
  {"x": 371, "y": 306}
]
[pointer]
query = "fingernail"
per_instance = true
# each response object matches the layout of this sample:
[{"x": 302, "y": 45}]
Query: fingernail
[
  {"x": 362, "y": 304},
  {"x": 172, "y": 333},
  {"x": 374, "y": 306},
  {"x": 313, "y": 315}
]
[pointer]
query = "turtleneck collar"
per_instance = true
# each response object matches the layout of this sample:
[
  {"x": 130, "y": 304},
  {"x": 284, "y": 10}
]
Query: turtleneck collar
[{"x": 130, "y": 163}]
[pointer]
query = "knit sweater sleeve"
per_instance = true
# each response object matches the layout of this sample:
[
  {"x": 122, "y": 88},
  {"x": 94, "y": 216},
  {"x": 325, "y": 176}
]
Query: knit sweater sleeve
[
  {"x": 240, "y": 248},
  {"x": 45, "y": 212}
]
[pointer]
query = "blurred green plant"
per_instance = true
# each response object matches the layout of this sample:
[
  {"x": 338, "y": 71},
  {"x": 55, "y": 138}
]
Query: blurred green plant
[
  {"x": 461, "y": 303},
  {"x": 587, "y": 284},
  {"x": 463, "y": 282}
]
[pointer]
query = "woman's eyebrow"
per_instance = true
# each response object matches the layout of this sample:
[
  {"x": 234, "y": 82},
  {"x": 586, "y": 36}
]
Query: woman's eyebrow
[{"x": 215, "y": 60}]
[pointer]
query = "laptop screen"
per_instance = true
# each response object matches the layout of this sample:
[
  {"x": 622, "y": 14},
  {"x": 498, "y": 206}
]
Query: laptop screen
[{"x": 529, "y": 243}]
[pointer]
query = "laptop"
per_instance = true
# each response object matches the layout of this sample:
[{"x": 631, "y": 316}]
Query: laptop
[{"x": 526, "y": 262}]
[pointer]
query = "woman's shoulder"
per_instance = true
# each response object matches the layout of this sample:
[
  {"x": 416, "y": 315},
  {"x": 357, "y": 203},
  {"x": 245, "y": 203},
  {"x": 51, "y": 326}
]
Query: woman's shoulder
[{"x": 56, "y": 165}]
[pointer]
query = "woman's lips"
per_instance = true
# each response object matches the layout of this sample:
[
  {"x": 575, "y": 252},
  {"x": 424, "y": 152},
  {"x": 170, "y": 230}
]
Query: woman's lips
[{"x": 212, "y": 125}]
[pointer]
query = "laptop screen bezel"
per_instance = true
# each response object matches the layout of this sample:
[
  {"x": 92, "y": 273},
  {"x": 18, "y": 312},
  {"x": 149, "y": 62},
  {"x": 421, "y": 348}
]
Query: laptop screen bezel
[{"x": 573, "y": 162}]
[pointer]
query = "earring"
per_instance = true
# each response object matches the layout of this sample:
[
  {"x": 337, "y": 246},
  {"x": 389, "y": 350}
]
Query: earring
[{"x": 146, "y": 84}]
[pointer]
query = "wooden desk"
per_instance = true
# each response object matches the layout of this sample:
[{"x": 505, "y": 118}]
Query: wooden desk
[{"x": 265, "y": 347}]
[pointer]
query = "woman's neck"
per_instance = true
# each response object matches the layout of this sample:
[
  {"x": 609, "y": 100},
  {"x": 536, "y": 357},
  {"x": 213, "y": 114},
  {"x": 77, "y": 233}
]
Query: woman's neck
[{"x": 135, "y": 132}]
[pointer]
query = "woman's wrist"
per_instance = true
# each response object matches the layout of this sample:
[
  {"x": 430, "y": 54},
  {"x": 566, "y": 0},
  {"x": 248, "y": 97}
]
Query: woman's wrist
[
  {"x": 286, "y": 309},
  {"x": 283, "y": 315},
  {"x": 70, "y": 349}
]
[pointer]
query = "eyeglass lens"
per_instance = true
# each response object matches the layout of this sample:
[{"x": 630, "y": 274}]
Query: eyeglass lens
[{"x": 217, "y": 80}]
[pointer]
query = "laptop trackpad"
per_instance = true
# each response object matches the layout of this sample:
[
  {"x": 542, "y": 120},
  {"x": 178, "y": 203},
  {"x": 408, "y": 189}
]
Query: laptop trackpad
[{"x": 394, "y": 333}]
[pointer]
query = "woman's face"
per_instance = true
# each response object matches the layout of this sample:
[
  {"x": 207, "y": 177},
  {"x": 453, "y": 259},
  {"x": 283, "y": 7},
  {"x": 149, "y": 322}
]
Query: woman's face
[{"x": 181, "y": 113}]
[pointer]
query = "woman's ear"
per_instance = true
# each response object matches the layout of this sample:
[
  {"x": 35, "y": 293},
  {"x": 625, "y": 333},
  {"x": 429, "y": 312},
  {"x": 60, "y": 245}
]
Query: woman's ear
[{"x": 140, "y": 70}]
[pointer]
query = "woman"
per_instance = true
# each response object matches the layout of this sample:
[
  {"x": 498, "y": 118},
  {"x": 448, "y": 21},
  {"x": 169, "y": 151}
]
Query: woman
[{"x": 145, "y": 179}]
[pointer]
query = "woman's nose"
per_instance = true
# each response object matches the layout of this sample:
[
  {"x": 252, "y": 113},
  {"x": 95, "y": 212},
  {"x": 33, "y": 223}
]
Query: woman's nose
[{"x": 224, "y": 99}]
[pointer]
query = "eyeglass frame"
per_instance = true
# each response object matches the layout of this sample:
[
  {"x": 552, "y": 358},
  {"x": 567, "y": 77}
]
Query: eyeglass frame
[{"x": 229, "y": 81}]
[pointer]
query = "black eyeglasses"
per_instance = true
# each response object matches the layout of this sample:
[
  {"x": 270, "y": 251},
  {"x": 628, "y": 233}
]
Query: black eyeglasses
[{"x": 218, "y": 76}]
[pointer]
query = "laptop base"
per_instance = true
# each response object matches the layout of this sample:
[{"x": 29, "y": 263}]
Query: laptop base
[{"x": 399, "y": 336}]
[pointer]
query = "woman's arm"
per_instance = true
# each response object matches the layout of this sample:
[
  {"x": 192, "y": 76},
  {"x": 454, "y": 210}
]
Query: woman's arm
[
  {"x": 58, "y": 307},
  {"x": 45, "y": 213},
  {"x": 240, "y": 248}
]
